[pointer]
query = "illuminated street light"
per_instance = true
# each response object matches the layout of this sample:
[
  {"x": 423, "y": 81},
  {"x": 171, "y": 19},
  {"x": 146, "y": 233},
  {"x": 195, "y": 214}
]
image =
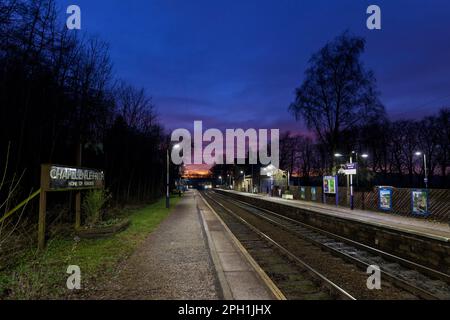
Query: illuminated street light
[
  {"x": 176, "y": 147},
  {"x": 352, "y": 156},
  {"x": 418, "y": 154},
  {"x": 353, "y": 153}
]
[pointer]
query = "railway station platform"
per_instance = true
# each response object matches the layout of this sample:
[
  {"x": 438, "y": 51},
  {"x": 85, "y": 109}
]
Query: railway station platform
[
  {"x": 430, "y": 229},
  {"x": 192, "y": 255}
]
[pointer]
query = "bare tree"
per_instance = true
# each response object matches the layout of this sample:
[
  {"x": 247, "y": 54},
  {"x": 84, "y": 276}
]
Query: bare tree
[
  {"x": 135, "y": 107},
  {"x": 338, "y": 93},
  {"x": 428, "y": 141},
  {"x": 288, "y": 151},
  {"x": 443, "y": 147}
]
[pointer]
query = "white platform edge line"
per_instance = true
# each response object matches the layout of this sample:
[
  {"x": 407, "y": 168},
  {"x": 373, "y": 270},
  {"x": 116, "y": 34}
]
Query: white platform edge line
[{"x": 276, "y": 292}]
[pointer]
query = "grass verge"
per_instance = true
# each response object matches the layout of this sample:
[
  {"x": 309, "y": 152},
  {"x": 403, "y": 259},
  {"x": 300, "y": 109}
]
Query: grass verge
[{"x": 43, "y": 276}]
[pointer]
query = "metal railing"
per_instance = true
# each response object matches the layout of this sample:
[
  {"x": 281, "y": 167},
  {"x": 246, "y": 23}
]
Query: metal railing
[{"x": 20, "y": 205}]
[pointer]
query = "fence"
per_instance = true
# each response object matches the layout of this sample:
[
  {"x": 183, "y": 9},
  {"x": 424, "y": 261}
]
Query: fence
[{"x": 439, "y": 200}]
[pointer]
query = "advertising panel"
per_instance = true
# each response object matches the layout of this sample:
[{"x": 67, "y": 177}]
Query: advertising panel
[
  {"x": 302, "y": 193},
  {"x": 419, "y": 202},
  {"x": 329, "y": 184},
  {"x": 314, "y": 194},
  {"x": 385, "y": 198}
]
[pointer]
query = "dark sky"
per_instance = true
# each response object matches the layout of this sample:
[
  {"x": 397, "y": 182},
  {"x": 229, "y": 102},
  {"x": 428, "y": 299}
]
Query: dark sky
[{"x": 236, "y": 63}]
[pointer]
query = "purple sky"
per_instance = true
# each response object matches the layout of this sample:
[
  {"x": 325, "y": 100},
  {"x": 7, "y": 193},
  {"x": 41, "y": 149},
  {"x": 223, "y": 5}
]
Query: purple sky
[{"x": 236, "y": 63}]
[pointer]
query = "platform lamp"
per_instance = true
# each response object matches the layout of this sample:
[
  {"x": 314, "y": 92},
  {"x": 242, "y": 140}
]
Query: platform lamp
[
  {"x": 418, "y": 154},
  {"x": 365, "y": 156},
  {"x": 175, "y": 147}
]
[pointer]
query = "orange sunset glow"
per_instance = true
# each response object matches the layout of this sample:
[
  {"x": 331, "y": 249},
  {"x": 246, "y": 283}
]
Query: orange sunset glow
[{"x": 196, "y": 171}]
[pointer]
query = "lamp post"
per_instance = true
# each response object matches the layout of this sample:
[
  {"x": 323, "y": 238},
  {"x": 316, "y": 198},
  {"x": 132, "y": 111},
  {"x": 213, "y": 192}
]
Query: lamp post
[
  {"x": 253, "y": 178},
  {"x": 271, "y": 171},
  {"x": 177, "y": 146},
  {"x": 351, "y": 183},
  {"x": 419, "y": 153},
  {"x": 365, "y": 156}
]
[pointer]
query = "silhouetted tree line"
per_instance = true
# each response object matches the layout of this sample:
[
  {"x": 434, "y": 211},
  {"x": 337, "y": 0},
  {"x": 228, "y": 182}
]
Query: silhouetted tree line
[
  {"x": 58, "y": 92},
  {"x": 391, "y": 146}
]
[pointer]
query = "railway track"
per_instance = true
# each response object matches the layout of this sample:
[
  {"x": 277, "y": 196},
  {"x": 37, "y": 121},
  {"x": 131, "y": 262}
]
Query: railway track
[
  {"x": 292, "y": 275},
  {"x": 419, "y": 281}
]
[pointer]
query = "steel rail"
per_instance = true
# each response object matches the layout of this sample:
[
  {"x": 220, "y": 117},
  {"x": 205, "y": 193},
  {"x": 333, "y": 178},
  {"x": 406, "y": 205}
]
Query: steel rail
[{"x": 313, "y": 272}]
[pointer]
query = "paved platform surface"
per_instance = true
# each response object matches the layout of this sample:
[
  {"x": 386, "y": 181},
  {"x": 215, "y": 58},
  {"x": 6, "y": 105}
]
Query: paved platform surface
[
  {"x": 183, "y": 260},
  {"x": 436, "y": 230}
]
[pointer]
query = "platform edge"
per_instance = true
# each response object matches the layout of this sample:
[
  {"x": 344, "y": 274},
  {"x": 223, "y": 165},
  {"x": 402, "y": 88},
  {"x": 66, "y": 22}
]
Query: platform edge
[
  {"x": 276, "y": 292},
  {"x": 226, "y": 290}
]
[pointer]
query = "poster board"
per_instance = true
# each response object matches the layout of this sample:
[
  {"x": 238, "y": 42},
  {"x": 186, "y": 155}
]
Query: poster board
[
  {"x": 329, "y": 184},
  {"x": 420, "y": 202},
  {"x": 385, "y": 198},
  {"x": 313, "y": 194},
  {"x": 302, "y": 193}
]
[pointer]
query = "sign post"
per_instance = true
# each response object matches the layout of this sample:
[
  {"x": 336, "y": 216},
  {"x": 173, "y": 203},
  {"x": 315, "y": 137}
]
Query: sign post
[
  {"x": 42, "y": 208},
  {"x": 78, "y": 210},
  {"x": 56, "y": 178},
  {"x": 350, "y": 169},
  {"x": 78, "y": 193}
]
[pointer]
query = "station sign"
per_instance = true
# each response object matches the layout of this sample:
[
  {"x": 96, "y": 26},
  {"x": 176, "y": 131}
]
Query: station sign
[
  {"x": 57, "y": 178},
  {"x": 350, "y": 168},
  {"x": 64, "y": 178}
]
